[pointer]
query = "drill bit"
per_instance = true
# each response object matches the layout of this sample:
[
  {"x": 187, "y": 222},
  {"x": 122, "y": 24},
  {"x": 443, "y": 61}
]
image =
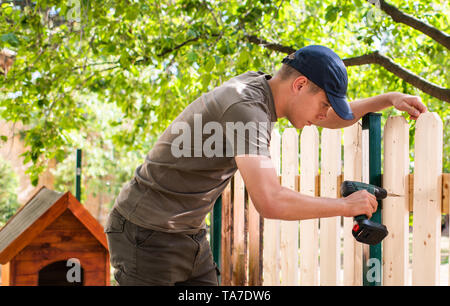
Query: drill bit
[{"x": 393, "y": 195}]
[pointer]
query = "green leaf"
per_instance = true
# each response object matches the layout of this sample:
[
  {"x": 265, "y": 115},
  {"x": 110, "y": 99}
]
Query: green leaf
[
  {"x": 205, "y": 80},
  {"x": 192, "y": 56},
  {"x": 134, "y": 70},
  {"x": 331, "y": 14},
  {"x": 210, "y": 63},
  {"x": 10, "y": 39}
]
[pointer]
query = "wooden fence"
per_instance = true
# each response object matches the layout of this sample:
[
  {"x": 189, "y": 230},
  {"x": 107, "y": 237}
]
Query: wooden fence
[{"x": 257, "y": 251}]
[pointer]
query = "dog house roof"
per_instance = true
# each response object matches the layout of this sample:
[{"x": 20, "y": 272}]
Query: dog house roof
[{"x": 39, "y": 212}]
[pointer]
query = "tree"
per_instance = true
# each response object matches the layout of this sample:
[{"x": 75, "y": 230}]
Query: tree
[
  {"x": 8, "y": 188},
  {"x": 152, "y": 58}
]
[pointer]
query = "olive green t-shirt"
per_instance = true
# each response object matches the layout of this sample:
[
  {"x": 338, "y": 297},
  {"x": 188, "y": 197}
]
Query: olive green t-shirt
[{"x": 193, "y": 160}]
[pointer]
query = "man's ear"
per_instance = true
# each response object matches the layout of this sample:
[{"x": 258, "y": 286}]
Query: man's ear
[{"x": 299, "y": 83}]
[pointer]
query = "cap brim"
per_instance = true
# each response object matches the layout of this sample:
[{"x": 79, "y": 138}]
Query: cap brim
[{"x": 341, "y": 107}]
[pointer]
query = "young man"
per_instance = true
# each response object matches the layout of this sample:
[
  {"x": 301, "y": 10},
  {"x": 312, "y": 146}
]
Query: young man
[{"x": 156, "y": 231}]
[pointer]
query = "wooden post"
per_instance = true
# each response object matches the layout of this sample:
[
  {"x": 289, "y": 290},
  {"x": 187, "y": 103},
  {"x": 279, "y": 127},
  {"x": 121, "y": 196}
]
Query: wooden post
[
  {"x": 227, "y": 231},
  {"x": 238, "y": 247},
  {"x": 289, "y": 229},
  {"x": 427, "y": 199},
  {"x": 330, "y": 227},
  {"x": 309, "y": 229},
  {"x": 271, "y": 241},
  {"x": 396, "y": 210},
  {"x": 352, "y": 171},
  {"x": 254, "y": 246}
]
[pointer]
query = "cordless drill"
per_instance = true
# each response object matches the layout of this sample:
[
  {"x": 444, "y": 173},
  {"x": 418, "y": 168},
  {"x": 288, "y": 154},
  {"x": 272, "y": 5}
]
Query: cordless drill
[{"x": 365, "y": 230}]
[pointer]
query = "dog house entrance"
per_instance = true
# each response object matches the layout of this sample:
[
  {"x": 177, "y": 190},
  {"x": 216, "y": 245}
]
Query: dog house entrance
[{"x": 59, "y": 274}]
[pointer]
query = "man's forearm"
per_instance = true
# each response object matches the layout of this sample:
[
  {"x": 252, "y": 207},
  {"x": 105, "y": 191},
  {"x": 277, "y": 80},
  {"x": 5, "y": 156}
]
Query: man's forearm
[
  {"x": 287, "y": 204},
  {"x": 359, "y": 108}
]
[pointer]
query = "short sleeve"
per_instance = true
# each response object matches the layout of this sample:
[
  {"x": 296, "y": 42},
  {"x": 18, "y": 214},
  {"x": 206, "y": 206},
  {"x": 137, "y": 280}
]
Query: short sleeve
[{"x": 247, "y": 129}]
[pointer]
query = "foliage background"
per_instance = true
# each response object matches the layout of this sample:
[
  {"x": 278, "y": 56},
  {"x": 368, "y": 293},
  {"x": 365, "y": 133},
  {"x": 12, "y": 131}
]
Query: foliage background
[
  {"x": 109, "y": 76},
  {"x": 8, "y": 196}
]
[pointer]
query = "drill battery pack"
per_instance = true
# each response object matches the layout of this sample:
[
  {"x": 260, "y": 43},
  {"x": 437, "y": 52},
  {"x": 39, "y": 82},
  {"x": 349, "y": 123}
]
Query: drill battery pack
[{"x": 366, "y": 231}]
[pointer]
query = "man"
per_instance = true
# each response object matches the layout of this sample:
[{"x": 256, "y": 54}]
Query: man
[{"x": 156, "y": 231}]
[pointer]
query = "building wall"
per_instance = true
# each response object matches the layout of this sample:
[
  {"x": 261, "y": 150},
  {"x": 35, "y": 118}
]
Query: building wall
[{"x": 11, "y": 151}]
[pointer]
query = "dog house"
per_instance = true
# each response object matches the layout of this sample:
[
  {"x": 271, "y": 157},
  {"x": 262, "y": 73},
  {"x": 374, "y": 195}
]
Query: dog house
[{"x": 53, "y": 240}]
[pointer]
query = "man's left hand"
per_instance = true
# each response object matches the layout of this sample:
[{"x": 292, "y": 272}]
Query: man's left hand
[{"x": 411, "y": 104}]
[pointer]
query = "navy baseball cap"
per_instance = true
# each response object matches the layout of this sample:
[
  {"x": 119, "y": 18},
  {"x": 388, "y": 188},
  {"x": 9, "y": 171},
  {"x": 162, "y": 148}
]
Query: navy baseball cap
[{"x": 325, "y": 68}]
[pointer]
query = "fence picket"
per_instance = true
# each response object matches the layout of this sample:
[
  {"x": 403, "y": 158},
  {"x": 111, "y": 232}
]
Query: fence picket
[
  {"x": 309, "y": 229},
  {"x": 427, "y": 199},
  {"x": 254, "y": 245},
  {"x": 226, "y": 236},
  {"x": 239, "y": 249},
  {"x": 330, "y": 227},
  {"x": 271, "y": 237},
  {"x": 352, "y": 171},
  {"x": 396, "y": 210},
  {"x": 289, "y": 229}
]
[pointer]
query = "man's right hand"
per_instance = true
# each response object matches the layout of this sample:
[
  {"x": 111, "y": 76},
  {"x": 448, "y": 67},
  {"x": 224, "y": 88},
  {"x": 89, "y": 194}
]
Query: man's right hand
[{"x": 358, "y": 203}]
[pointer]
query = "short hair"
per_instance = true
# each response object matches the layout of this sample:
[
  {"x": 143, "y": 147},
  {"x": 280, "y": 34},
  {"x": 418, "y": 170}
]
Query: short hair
[{"x": 286, "y": 72}]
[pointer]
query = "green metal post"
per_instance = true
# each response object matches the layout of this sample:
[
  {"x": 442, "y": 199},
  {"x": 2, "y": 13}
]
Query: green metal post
[
  {"x": 78, "y": 176},
  {"x": 372, "y": 268},
  {"x": 216, "y": 231}
]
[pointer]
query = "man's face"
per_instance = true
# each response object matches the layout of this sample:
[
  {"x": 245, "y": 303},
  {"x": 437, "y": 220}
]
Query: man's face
[{"x": 307, "y": 106}]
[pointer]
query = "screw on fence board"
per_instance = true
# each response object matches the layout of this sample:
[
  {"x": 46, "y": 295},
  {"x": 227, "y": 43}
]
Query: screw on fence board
[{"x": 372, "y": 271}]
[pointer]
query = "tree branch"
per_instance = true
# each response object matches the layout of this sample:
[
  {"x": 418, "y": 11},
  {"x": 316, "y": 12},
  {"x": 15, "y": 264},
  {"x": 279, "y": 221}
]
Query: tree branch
[
  {"x": 433, "y": 90},
  {"x": 168, "y": 50},
  {"x": 270, "y": 46},
  {"x": 399, "y": 16}
]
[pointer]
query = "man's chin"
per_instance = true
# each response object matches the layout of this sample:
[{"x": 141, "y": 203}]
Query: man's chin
[
  {"x": 300, "y": 125},
  {"x": 308, "y": 123}
]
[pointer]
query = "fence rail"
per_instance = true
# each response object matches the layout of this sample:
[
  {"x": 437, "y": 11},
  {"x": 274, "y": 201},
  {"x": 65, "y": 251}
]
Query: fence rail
[{"x": 257, "y": 251}]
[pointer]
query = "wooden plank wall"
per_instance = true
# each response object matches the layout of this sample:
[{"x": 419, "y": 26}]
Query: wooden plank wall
[{"x": 289, "y": 252}]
